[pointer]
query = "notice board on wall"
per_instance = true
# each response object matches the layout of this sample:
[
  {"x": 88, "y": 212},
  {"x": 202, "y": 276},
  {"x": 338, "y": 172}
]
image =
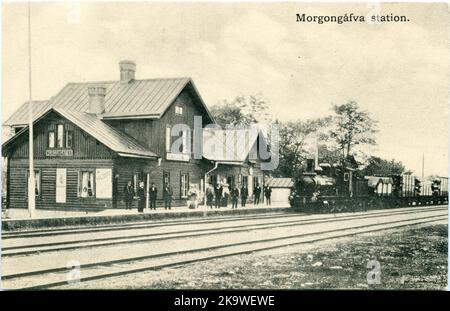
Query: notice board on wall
[
  {"x": 103, "y": 182},
  {"x": 61, "y": 182}
]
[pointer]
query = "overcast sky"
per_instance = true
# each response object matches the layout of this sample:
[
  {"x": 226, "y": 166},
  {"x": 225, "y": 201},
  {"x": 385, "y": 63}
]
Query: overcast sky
[{"x": 398, "y": 72}]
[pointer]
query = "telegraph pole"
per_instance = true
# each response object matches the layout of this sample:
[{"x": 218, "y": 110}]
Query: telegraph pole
[
  {"x": 423, "y": 167},
  {"x": 31, "y": 180}
]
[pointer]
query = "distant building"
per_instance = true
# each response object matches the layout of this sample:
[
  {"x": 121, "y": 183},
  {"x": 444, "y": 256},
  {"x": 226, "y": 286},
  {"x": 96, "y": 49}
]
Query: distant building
[{"x": 91, "y": 138}]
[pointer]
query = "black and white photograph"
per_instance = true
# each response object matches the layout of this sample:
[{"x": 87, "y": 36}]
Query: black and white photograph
[{"x": 224, "y": 146}]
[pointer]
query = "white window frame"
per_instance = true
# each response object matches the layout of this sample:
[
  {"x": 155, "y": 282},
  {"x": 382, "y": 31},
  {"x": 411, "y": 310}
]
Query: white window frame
[
  {"x": 91, "y": 172},
  {"x": 60, "y": 135},
  {"x": 51, "y": 142},
  {"x": 179, "y": 110},
  {"x": 184, "y": 185}
]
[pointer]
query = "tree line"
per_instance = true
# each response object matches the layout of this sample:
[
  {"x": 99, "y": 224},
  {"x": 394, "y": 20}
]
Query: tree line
[{"x": 345, "y": 133}]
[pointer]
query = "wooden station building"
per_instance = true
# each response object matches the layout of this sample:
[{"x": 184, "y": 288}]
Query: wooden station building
[{"x": 91, "y": 138}]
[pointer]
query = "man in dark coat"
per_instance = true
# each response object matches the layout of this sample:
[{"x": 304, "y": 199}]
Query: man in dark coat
[
  {"x": 268, "y": 194},
  {"x": 209, "y": 197},
  {"x": 141, "y": 197},
  {"x": 218, "y": 195},
  {"x": 167, "y": 195},
  {"x": 257, "y": 193},
  {"x": 234, "y": 197},
  {"x": 128, "y": 194},
  {"x": 244, "y": 195},
  {"x": 153, "y": 193}
]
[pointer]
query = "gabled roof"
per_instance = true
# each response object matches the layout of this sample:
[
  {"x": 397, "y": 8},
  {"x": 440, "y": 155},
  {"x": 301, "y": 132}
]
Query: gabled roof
[
  {"x": 228, "y": 146},
  {"x": 136, "y": 99},
  {"x": 115, "y": 140},
  {"x": 21, "y": 118}
]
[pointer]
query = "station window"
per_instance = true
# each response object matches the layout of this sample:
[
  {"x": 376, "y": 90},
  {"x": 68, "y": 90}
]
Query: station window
[
  {"x": 179, "y": 110},
  {"x": 255, "y": 181},
  {"x": 184, "y": 185},
  {"x": 213, "y": 180},
  {"x": 51, "y": 139},
  {"x": 60, "y": 136},
  {"x": 37, "y": 185},
  {"x": 86, "y": 184},
  {"x": 166, "y": 178},
  {"x": 245, "y": 181},
  {"x": 69, "y": 139},
  {"x": 138, "y": 176},
  {"x": 230, "y": 180}
]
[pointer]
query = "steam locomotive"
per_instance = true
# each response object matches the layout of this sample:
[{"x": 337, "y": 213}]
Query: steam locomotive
[{"x": 326, "y": 188}]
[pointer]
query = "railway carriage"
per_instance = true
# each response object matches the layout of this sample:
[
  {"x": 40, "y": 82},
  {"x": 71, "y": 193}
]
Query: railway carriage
[{"x": 329, "y": 188}]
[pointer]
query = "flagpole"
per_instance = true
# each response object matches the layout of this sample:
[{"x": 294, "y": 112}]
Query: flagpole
[
  {"x": 423, "y": 167},
  {"x": 31, "y": 181}
]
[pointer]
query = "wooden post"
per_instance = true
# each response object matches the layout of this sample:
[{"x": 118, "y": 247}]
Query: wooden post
[{"x": 31, "y": 178}]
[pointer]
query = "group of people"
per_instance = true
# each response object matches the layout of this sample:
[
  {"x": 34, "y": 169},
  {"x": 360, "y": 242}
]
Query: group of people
[
  {"x": 218, "y": 196},
  {"x": 129, "y": 195}
]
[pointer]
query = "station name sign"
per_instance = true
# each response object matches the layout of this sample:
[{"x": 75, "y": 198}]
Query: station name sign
[
  {"x": 59, "y": 152},
  {"x": 184, "y": 157}
]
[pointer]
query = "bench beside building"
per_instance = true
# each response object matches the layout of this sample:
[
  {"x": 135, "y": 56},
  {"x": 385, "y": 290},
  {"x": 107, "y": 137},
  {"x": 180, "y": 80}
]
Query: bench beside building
[{"x": 91, "y": 138}]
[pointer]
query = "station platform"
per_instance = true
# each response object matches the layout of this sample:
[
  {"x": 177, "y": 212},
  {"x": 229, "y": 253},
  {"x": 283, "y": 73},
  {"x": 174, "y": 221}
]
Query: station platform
[{"x": 18, "y": 219}]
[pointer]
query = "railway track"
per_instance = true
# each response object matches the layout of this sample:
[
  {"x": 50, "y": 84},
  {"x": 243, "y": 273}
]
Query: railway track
[
  {"x": 134, "y": 225},
  {"x": 341, "y": 226},
  {"x": 30, "y": 248}
]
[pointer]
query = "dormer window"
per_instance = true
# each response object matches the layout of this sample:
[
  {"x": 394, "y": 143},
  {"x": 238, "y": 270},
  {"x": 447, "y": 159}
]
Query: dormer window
[{"x": 178, "y": 110}]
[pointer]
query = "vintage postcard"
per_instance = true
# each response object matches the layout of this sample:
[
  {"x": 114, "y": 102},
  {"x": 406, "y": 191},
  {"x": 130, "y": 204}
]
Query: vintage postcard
[{"x": 224, "y": 145}]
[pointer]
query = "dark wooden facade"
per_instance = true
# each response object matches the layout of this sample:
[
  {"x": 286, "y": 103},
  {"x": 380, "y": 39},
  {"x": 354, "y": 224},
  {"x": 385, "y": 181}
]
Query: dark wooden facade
[{"x": 89, "y": 154}]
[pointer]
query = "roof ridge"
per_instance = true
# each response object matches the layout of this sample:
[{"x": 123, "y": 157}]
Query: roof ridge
[{"x": 137, "y": 80}]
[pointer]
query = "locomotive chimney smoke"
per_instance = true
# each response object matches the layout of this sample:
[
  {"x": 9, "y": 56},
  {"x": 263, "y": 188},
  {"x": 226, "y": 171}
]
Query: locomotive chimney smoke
[
  {"x": 127, "y": 71},
  {"x": 96, "y": 99}
]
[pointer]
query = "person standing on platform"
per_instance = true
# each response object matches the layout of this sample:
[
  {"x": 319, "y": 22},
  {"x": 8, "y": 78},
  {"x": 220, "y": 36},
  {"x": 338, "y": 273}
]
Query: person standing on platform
[
  {"x": 128, "y": 195},
  {"x": 268, "y": 194},
  {"x": 218, "y": 190},
  {"x": 225, "y": 195},
  {"x": 209, "y": 197},
  {"x": 141, "y": 197},
  {"x": 167, "y": 194},
  {"x": 234, "y": 197},
  {"x": 244, "y": 195},
  {"x": 153, "y": 194},
  {"x": 257, "y": 193}
]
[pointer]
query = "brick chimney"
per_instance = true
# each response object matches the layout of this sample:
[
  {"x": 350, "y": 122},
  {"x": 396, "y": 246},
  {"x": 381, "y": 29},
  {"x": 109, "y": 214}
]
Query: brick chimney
[
  {"x": 127, "y": 70},
  {"x": 96, "y": 99}
]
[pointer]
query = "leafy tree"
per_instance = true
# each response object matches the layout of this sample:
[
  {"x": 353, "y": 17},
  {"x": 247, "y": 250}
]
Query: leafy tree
[
  {"x": 241, "y": 111},
  {"x": 230, "y": 114},
  {"x": 293, "y": 152},
  {"x": 379, "y": 166},
  {"x": 352, "y": 127}
]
